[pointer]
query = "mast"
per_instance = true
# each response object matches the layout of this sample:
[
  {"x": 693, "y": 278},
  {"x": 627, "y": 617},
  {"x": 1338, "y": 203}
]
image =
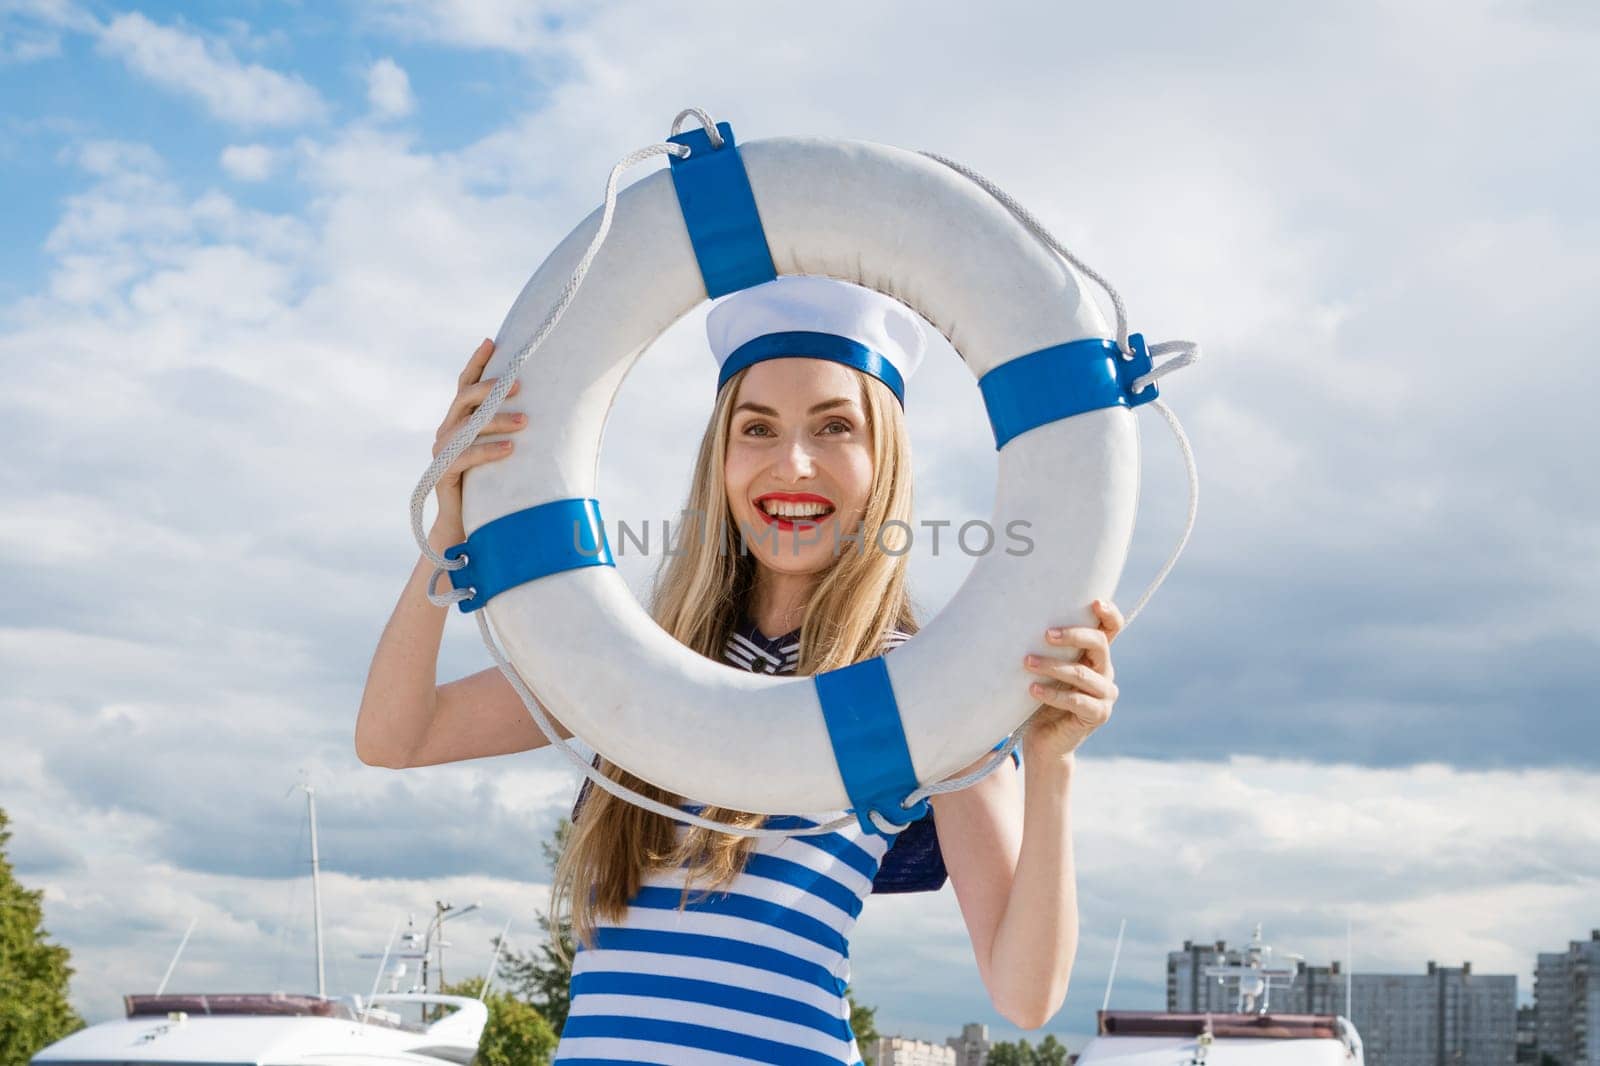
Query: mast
[
  {"x": 1349, "y": 968},
  {"x": 176, "y": 955},
  {"x": 316, "y": 887},
  {"x": 1112, "y": 976}
]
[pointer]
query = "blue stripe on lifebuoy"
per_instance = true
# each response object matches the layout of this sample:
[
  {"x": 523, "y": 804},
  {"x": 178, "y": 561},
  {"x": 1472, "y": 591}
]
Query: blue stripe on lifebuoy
[
  {"x": 720, "y": 210},
  {"x": 869, "y": 742},
  {"x": 815, "y": 346},
  {"x": 524, "y": 545},
  {"x": 1067, "y": 379}
]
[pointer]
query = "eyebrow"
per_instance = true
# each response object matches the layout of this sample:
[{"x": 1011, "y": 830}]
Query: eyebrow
[{"x": 823, "y": 406}]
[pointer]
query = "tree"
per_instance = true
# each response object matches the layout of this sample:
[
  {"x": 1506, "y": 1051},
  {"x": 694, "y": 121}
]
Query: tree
[
  {"x": 543, "y": 977},
  {"x": 34, "y": 1011},
  {"x": 516, "y": 1034},
  {"x": 863, "y": 1022},
  {"x": 1007, "y": 1054},
  {"x": 1051, "y": 1052}
]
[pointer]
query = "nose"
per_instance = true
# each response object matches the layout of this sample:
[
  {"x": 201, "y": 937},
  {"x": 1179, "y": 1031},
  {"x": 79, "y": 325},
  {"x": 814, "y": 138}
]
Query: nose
[{"x": 794, "y": 460}]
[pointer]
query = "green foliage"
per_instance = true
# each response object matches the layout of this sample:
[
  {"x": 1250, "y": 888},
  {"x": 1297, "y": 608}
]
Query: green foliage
[
  {"x": 542, "y": 976},
  {"x": 1008, "y": 1054},
  {"x": 1050, "y": 1052},
  {"x": 516, "y": 1035},
  {"x": 863, "y": 1022},
  {"x": 34, "y": 1012}
]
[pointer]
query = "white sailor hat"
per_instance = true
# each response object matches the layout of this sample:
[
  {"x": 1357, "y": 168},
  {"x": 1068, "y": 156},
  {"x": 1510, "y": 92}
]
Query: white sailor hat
[{"x": 823, "y": 318}]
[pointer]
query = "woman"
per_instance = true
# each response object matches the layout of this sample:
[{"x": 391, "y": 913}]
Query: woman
[{"x": 806, "y": 447}]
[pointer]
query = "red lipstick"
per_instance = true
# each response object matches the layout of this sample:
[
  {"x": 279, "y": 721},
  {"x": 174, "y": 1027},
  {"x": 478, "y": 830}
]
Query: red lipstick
[{"x": 786, "y": 524}]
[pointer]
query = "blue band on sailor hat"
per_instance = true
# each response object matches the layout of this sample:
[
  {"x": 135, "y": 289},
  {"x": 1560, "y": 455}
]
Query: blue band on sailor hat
[
  {"x": 814, "y": 345},
  {"x": 820, "y": 318}
]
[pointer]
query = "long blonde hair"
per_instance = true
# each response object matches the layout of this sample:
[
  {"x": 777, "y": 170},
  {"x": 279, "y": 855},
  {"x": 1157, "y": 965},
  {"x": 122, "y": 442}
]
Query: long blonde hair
[{"x": 698, "y": 596}]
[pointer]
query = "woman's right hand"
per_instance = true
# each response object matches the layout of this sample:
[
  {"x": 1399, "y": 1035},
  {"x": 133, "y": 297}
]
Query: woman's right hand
[{"x": 470, "y": 394}]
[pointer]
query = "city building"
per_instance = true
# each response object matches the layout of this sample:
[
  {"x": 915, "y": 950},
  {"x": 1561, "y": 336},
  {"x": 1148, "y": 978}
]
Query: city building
[
  {"x": 972, "y": 1046},
  {"x": 1315, "y": 990},
  {"x": 1448, "y": 1015},
  {"x": 1527, "y": 1037},
  {"x": 904, "y": 1051},
  {"x": 1566, "y": 1003}
]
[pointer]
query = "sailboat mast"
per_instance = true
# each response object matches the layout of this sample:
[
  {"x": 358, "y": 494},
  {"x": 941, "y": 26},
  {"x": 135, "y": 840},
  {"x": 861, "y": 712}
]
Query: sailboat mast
[
  {"x": 316, "y": 887},
  {"x": 1349, "y": 969}
]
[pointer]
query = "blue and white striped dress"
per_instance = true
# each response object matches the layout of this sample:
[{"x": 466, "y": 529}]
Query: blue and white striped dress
[{"x": 751, "y": 973}]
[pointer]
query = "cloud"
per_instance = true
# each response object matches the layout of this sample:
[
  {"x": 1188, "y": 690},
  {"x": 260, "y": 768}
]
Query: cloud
[
  {"x": 208, "y": 71},
  {"x": 248, "y": 162},
  {"x": 389, "y": 90},
  {"x": 28, "y": 45},
  {"x": 31, "y": 30},
  {"x": 489, "y": 24}
]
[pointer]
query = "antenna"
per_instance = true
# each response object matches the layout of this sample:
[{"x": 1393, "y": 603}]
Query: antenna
[
  {"x": 1112, "y": 976},
  {"x": 499, "y": 945},
  {"x": 381, "y": 967},
  {"x": 181, "y": 945},
  {"x": 1254, "y": 976},
  {"x": 410, "y": 948}
]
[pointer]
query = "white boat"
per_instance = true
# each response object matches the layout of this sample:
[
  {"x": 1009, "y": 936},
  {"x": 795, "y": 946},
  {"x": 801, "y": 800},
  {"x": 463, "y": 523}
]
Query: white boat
[
  {"x": 1159, "y": 1038},
  {"x": 275, "y": 1029},
  {"x": 292, "y": 1029},
  {"x": 1249, "y": 1035}
]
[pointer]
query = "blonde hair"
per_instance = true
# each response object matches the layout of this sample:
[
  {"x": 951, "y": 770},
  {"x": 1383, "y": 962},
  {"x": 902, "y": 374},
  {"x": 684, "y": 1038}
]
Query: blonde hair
[{"x": 698, "y": 596}]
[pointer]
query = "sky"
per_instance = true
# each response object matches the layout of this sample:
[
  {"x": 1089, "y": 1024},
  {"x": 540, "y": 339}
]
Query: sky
[{"x": 247, "y": 250}]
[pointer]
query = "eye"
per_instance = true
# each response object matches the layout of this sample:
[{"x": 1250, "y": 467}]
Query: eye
[
  {"x": 838, "y": 422},
  {"x": 755, "y": 425}
]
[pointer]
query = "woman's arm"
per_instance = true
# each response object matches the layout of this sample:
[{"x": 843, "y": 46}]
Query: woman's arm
[
  {"x": 1007, "y": 844},
  {"x": 1007, "y": 841},
  {"x": 407, "y": 719}
]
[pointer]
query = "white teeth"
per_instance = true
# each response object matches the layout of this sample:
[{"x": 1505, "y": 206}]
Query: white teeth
[{"x": 781, "y": 509}]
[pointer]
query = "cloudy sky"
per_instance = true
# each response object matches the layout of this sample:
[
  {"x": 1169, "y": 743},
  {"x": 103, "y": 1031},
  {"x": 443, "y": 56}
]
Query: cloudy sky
[{"x": 245, "y": 252}]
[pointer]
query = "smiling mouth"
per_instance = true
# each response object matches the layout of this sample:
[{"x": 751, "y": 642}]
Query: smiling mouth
[
  {"x": 793, "y": 521},
  {"x": 798, "y": 522}
]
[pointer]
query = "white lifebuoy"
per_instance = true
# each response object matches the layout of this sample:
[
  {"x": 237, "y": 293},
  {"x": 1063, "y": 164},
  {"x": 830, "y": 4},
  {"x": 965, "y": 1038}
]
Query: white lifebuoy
[{"x": 891, "y": 220}]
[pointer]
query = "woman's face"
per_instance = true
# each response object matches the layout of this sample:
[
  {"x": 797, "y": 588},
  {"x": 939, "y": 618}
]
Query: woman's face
[{"x": 798, "y": 444}]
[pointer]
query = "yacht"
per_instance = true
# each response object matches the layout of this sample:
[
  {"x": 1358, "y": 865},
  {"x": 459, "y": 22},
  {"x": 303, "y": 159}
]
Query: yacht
[
  {"x": 275, "y": 1029},
  {"x": 1250, "y": 1035},
  {"x": 294, "y": 1029},
  {"x": 1163, "y": 1038}
]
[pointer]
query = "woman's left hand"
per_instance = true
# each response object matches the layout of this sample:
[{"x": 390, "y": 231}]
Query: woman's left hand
[{"x": 1076, "y": 696}]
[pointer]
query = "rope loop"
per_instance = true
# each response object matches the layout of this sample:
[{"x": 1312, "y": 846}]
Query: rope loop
[
  {"x": 1184, "y": 353},
  {"x": 447, "y": 599},
  {"x": 885, "y": 826},
  {"x": 705, "y": 121}
]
